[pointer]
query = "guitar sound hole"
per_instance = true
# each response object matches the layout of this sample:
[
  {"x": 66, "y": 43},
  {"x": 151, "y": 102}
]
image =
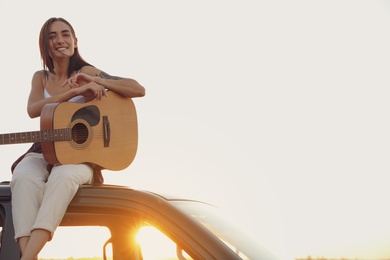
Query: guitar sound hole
[{"x": 79, "y": 133}]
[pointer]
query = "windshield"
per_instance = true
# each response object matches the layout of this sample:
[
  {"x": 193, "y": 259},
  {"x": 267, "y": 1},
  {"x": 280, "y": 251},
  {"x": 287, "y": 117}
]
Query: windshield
[{"x": 210, "y": 217}]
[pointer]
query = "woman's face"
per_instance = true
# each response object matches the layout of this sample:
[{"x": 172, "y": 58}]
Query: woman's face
[{"x": 61, "y": 40}]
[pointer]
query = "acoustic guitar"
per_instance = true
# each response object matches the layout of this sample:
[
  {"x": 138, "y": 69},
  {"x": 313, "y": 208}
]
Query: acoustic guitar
[{"x": 103, "y": 133}]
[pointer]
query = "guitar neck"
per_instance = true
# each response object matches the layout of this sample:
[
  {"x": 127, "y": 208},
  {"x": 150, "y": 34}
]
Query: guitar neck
[{"x": 51, "y": 135}]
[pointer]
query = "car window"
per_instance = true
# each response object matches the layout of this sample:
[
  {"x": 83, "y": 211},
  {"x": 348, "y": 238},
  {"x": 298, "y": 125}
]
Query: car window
[
  {"x": 156, "y": 245},
  {"x": 77, "y": 242}
]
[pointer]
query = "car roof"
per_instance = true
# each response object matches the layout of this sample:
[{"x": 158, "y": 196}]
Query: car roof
[
  {"x": 113, "y": 189},
  {"x": 97, "y": 203}
]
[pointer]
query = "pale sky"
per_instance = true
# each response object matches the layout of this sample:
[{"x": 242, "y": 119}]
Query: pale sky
[{"x": 275, "y": 111}]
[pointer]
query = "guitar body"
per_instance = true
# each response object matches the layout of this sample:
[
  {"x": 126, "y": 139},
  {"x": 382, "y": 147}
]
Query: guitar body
[{"x": 103, "y": 133}]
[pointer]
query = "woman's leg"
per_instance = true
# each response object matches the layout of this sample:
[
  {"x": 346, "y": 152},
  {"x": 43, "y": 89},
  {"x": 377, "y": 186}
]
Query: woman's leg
[
  {"x": 27, "y": 187},
  {"x": 23, "y": 241},
  {"x": 61, "y": 186},
  {"x": 36, "y": 242}
]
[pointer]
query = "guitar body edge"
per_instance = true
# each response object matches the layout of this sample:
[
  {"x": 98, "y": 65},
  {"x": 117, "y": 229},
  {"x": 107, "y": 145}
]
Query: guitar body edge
[
  {"x": 48, "y": 148},
  {"x": 113, "y": 117}
]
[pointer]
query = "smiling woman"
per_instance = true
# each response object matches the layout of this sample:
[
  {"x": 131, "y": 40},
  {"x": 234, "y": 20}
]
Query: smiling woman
[{"x": 41, "y": 188}]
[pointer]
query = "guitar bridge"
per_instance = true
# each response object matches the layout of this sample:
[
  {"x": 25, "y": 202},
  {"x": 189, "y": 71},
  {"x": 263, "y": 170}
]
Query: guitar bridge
[{"x": 106, "y": 130}]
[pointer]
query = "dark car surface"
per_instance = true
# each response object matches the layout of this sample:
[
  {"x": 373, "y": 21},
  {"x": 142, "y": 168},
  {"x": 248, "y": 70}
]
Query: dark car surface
[{"x": 191, "y": 226}]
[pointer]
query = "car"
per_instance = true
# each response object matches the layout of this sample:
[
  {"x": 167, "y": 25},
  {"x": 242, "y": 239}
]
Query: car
[{"x": 194, "y": 228}]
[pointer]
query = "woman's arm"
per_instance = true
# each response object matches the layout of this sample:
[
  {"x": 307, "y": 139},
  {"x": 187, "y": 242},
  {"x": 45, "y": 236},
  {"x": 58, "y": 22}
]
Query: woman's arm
[
  {"x": 36, "y": 99},
  {"x": 125, "y": 86},
  {"x": 90, "y": 82}
]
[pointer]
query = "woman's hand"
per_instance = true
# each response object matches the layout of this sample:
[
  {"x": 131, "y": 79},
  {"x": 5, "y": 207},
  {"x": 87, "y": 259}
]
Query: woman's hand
[
  {"x": 84, "y": 85},
  {"x": 77, "y": 80},
  {"x": 92, "y": 90}
]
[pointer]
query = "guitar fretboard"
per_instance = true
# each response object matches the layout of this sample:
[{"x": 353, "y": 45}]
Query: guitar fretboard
[{"x": 37, "y": 136}]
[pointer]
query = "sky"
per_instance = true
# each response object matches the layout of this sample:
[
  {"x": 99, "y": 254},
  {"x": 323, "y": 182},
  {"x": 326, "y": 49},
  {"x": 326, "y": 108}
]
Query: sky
[{"x": 275, "y": 111}]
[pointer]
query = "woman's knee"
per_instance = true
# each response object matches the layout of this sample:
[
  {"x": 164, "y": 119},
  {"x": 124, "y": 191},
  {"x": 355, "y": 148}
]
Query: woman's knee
[{"x": 79, "y": 174}]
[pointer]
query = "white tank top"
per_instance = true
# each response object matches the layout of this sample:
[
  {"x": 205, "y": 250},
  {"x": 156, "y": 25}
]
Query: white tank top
[{"x": 79, "y": 99}]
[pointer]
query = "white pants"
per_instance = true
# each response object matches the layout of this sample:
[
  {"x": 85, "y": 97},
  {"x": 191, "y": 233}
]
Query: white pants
[{"x": 40, "y": 199}]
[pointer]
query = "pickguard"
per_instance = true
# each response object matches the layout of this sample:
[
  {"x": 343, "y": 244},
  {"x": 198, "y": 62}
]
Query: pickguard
[{"x": 90, "y": 114}]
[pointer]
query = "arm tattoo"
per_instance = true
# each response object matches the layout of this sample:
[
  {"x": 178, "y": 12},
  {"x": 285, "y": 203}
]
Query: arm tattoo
[{"x": 107, "y": 76}]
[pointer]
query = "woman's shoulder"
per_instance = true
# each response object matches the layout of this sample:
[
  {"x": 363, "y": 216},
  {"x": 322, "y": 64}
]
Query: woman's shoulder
[
  {"x": 90, "y": 70},
  {"x": 40, "y": 74},
  {"x": 40, "y": 77}
]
